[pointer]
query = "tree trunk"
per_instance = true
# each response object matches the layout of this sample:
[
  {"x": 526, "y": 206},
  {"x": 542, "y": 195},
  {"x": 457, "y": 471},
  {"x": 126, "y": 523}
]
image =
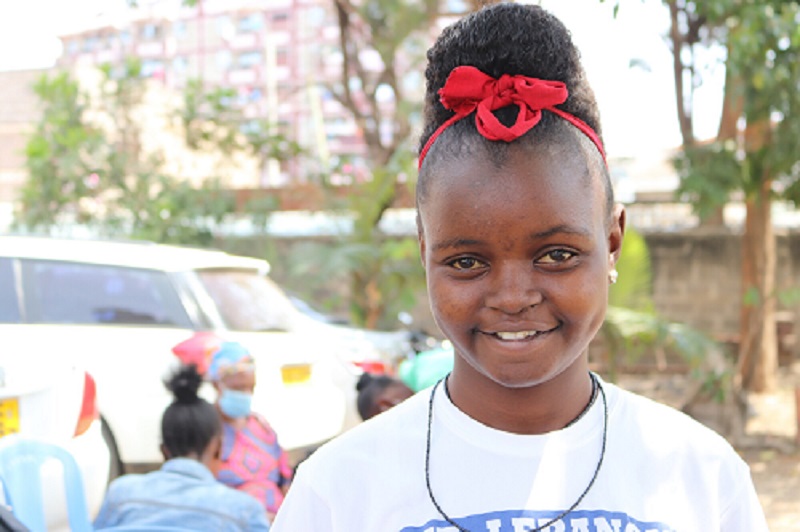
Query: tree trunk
[
  {"x": 758, "y": 350},
  {"x": 677, "y": 40}
]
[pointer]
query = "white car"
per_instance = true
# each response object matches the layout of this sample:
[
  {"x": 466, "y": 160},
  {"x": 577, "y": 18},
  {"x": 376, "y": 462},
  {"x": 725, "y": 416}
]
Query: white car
[
  {"x": 46, "y": 397},
  {"x": 120, "y": 309}
]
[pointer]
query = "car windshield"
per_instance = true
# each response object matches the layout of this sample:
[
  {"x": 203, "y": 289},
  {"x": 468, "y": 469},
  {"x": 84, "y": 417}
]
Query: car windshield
[
  {"x": 248, "y": 300},
  {"x": 81, "y": 293}
]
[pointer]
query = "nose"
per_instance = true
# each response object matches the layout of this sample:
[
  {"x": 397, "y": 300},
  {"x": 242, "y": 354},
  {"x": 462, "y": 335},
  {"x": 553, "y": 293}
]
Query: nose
[{"x": 514, "y": 288}]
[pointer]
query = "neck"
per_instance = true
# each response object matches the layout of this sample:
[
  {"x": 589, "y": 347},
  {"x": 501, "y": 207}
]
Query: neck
[{"x": 535, "y": 409}]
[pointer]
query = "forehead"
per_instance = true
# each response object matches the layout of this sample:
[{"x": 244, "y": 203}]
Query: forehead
[
  {"x": 537, "y": 186},
  {"x": 239, "y": 379}
]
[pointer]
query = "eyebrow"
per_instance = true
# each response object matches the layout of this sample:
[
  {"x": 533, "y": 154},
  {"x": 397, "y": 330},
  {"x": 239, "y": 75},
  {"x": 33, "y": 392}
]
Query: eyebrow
[
  {"x": 456, "y": 243},
  {"x": 562, "y": 229}
]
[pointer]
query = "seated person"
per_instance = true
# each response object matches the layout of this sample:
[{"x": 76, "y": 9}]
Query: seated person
[
  {"x": 183, "y": 493},
  {"x": 252, "y": 461},
  {"x": 378, "y": 393}
]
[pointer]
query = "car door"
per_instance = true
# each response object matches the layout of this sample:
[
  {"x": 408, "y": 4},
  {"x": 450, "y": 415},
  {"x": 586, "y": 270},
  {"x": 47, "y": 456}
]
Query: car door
[{"x": 120, "y": 324}]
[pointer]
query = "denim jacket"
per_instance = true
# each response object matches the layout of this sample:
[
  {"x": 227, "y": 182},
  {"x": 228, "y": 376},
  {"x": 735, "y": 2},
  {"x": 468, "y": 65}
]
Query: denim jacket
[{"x": 182, "y": 494}]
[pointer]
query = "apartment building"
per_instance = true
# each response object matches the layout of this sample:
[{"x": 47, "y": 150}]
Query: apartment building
[{"x": 278, "y": 55}]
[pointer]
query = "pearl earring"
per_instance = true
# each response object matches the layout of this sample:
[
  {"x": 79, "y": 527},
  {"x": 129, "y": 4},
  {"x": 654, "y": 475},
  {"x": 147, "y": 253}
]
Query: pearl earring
[{"x": 613, "y": 275}]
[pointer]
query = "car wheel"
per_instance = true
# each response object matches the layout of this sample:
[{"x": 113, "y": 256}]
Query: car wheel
[{"x": 116, "y": 467}]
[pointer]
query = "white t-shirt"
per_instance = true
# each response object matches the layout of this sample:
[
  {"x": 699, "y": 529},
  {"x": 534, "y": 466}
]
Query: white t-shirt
[{"x": 662, "y": 471}]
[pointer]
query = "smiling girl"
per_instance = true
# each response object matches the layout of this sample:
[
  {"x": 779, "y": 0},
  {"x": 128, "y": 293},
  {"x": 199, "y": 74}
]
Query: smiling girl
[{"x": 519, "y": 236}]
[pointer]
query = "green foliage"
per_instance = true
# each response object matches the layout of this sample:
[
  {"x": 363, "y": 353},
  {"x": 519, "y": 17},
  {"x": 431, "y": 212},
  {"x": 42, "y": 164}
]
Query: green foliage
[
  {"x": 212, "y": 120},
  {"x": 97, "y": 173},
  {"x": 383, "y": 273},
  {"x": 790, "y": 296},
  {"x": 630, "y": 334},
  {"x": 61, "y": 156},
  {"x": 633, "y": 289},
  {"x": 708, "y": 174}
]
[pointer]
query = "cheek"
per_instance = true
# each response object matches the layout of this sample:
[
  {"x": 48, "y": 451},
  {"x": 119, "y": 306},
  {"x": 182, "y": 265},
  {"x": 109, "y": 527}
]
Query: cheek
[
  {"x": 583, "y": 302},
  {"x": 452, "y": 304}
]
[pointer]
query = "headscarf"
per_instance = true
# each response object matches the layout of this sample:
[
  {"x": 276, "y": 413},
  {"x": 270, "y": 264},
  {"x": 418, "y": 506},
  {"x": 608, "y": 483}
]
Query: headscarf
[{"x": 230, "y": 358}]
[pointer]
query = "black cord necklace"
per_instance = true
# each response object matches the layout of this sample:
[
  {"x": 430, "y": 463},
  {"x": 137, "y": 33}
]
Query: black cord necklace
[{"x": 595, "y": 388}]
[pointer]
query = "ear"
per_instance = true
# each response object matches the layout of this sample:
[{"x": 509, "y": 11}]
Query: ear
[
  {"x": 615, "y": 235},
  {"x": 216, "y": 446},
  {"x": 164, "y": 452},
  {"x": 212, "y": 453},
  {"x": 384, "y": 404}
]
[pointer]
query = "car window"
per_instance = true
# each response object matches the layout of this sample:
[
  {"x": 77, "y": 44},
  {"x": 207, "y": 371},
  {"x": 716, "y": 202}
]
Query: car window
[
  {"x": 248, "y": 300},
  {"x": 65, "y": 292},
  {"x": 9, "y": 309}
]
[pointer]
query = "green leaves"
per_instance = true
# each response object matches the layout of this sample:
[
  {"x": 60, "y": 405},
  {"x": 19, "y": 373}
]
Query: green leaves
[{"x": 97, "y": 171}]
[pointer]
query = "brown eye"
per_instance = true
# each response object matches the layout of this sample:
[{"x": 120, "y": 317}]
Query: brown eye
[
  {"x": 556, "y": 256},
  {"x": 466, "y": 263}
]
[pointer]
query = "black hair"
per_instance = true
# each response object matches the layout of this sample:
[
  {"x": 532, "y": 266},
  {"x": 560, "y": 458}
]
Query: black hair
[
  {"x": 190, "y": 422},
  {"x": 369, "y": 388},
  {"x": 509, "y": 39}
]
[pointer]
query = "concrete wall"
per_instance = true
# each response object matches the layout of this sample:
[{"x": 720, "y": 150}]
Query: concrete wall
[{"x": 697, "y": 280}]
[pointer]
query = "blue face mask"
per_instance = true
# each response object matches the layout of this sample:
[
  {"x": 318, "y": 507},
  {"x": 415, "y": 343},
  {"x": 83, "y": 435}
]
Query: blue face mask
[{"x": 235, "y": 404}]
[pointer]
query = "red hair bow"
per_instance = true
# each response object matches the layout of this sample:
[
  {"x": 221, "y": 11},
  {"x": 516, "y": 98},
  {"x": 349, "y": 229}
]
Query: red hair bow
[{"x": 467, "y": 89}]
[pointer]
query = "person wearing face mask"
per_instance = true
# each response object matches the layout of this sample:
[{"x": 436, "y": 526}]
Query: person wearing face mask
[
  {"x": 251, "y": 459},
  {"x": 183, "y": 494}
]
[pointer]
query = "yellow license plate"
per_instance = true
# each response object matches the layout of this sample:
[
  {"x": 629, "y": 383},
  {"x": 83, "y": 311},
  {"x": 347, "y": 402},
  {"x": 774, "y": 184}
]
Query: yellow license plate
[
  {"x": 9, "y": 416},
  {"x": 295, "y": 373}
]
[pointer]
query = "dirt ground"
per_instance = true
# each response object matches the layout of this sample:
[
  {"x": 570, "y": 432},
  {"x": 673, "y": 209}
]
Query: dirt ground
[
  {"x": 775, "y": 457},
  {"x": 769, "y": 446}
]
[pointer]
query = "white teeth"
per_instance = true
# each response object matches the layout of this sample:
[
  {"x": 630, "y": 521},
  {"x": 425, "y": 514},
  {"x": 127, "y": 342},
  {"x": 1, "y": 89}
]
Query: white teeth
[{"x": 516, "y": 335}]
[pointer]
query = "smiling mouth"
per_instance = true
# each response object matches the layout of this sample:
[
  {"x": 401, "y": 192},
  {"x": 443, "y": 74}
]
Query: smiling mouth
[{"x": 518, "y": 336}]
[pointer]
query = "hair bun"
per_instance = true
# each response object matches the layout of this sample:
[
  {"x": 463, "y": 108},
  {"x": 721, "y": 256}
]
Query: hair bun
[
  {"x": 364, "y": 380},
  {"x": 184, "y": 383}
]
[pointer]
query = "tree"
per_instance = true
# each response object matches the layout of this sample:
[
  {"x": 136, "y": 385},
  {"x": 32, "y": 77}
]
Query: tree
[
  {"x": 755, "y": 152},
  {"x": 383, "y": 111},
  {"x": 90, "y": 163},
  {"x": 60, "y": 156}
]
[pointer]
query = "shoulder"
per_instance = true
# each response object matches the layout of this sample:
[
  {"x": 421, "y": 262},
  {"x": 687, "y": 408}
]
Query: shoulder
[
  {"x": 126, "y": 485},
  {"x": 385, "y": 437},
  {"x": 664, "y": 431},
  {"x": 258, "y": 424}
]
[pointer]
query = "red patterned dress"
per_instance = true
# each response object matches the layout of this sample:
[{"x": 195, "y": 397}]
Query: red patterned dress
[{"x": 254, "y": 462}]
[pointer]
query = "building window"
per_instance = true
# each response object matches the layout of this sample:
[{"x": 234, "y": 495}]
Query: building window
[
  {"x": 223, "y": 60},
  {"x": 179, "y": 30},
  {"x": 249, "y": 59},
  {"x": 180, "y": 65},
  {"x": 151, "y": 32},
  {"x": 251, "y": 23},
  {"x": 90, "y": 44},
  {"x": 152, "y": 68}
]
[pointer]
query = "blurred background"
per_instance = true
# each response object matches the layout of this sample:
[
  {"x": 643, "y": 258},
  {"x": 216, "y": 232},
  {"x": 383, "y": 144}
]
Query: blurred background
[{"x": 286, "y": 130}]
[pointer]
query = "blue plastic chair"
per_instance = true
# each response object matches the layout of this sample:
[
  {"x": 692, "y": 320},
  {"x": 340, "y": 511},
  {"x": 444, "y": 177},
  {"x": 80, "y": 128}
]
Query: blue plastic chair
[{"x": 21, "y": 461}]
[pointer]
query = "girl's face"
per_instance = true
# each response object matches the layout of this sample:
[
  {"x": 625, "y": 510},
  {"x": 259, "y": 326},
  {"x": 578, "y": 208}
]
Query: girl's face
[{"x": 517, "y": 261}]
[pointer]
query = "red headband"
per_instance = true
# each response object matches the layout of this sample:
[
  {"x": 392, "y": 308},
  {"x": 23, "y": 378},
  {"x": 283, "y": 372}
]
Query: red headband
[{"x": 468, "y": 89}]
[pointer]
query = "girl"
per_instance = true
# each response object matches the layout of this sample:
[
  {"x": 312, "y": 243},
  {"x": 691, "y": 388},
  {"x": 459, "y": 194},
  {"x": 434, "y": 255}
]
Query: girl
[
  {"x": 519, "y": 236},
  {"x": 183, "y": 494},
  {"x": 379, "y": 393}
]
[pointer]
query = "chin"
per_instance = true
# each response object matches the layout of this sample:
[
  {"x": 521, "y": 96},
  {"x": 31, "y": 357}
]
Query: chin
[{"x": 527, "y": 375}]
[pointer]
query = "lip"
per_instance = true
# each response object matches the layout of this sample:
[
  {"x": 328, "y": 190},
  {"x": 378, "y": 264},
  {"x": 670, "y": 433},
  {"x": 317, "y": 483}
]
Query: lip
[{"x": 517, "y": 333}]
